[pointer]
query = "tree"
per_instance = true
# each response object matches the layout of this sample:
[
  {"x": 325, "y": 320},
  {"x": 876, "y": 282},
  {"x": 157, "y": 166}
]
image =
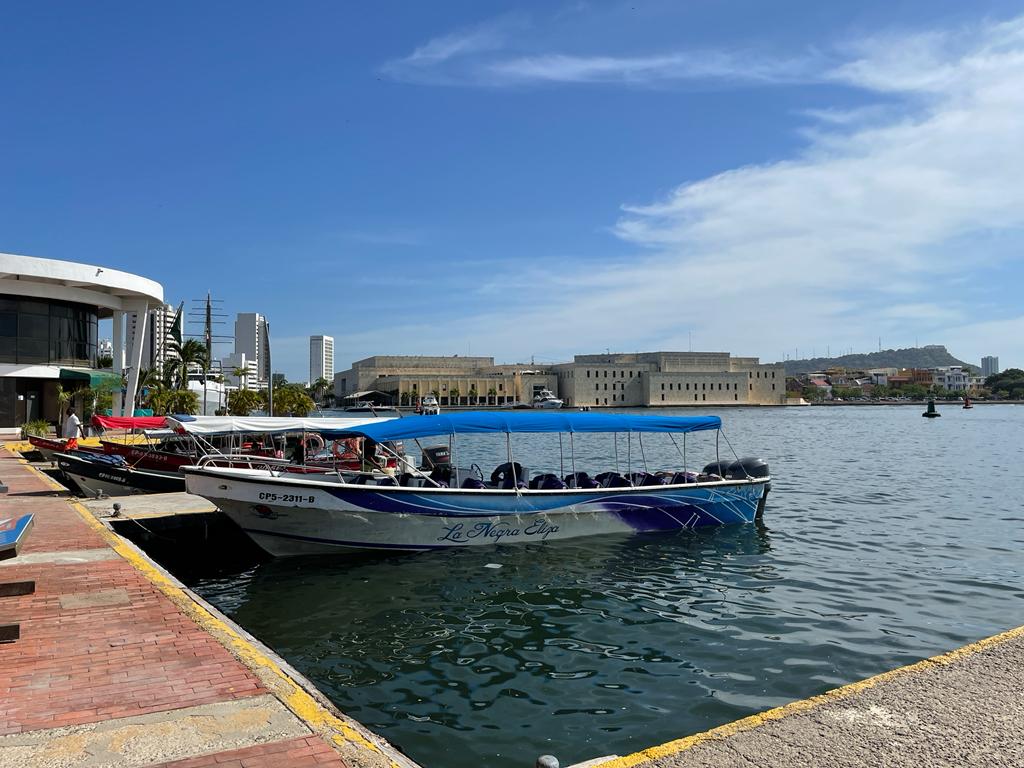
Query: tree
[
  {"x": 320, "y": 387},
  {"x": 171, "y": 401},
  {"x": 289, "y": 400},
  {"x": 1009, "y": 383},
  {"x": 105, "y": 362},
  {"x": 241, "y": 402},
  {"x": 191, "y": 352},
  {"x": 453, "y": 394},
  {"x": 472, "y": 395},
  {"x": 403, "y": 398},
  {"x": 242, "y": 374},
  {"x": 492, "y": 396}
]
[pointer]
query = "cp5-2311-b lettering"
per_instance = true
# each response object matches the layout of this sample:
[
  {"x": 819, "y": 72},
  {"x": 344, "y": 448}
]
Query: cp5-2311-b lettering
[{"x": 287, "y": 497}]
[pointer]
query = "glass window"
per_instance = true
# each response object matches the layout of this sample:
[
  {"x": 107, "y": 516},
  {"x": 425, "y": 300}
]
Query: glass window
[{"x": 8, "y": 323}]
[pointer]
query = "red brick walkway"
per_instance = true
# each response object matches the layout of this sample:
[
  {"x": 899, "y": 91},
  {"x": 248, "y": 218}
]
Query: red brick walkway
[{"x": 99, "y": 641}]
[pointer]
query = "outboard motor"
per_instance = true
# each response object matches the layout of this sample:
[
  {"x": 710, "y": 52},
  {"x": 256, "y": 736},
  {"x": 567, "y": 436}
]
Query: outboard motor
[
  {"x": 436, "y": 456},
  {"x": 720, "y": 468},
  {"x": 747, "y": 467}
]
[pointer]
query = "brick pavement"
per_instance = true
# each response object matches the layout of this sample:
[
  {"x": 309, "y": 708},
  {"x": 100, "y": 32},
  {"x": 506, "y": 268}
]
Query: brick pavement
[{"x": 100, "y": 642}]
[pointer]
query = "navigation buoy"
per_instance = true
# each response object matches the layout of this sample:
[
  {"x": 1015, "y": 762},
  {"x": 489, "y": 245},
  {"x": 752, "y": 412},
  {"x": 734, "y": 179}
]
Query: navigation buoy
[
  {"x": 967, "y": 403},
  {"x": 931, "y": 413}
]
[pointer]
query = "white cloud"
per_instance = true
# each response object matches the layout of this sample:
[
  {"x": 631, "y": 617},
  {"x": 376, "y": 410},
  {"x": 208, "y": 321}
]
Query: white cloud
[{"x": 865, "y": 233}]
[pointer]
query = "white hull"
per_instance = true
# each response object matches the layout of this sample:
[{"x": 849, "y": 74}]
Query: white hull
[
  {"x": 94, "y": 487},
  {"x": 296, "y": 517}
]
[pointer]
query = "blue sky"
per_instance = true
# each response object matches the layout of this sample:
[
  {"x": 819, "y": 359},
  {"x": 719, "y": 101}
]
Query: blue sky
[{"x": 535, "y": 179}]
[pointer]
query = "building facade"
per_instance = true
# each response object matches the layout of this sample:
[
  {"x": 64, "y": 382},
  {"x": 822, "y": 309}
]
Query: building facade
[
  {"x": 321, "y": 358},
  {"x": 239, "y": 371},
  {"x": 162, "y": 331},
  {"x": 49, "y": 316},
  {"x": 252, "y": 340},
  {"x": 989, "y": 366},
  {"x": 951, "y": 377},
  {"x": 454, "y": 380},
  {"x": 652, "y": 379}
]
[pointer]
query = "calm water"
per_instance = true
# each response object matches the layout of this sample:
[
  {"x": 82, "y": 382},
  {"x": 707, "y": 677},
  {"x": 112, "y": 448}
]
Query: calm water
[{"x": 887, "y": 538}]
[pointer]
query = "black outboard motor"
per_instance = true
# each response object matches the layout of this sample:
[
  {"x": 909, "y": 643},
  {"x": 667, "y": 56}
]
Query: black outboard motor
[
  {"x": 436, "y": 456},
  {"x": 742, "y": 469}
]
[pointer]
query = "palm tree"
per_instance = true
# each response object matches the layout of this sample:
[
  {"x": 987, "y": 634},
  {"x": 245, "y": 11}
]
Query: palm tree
[
  {"x": 492, "y": 396},
  {"x": 453, "y": 396},
  {"x": 242, "y": 374},
  {"x": 320, "y": 387},
  {"x": 191, "y": 352},
  {"x": 472, "y": 395}
]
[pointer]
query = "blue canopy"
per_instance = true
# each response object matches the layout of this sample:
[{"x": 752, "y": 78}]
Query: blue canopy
[{"x": 526, "y": 421}]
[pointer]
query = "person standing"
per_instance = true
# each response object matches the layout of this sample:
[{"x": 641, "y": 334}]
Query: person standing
[{"x": 72, "y": 427}]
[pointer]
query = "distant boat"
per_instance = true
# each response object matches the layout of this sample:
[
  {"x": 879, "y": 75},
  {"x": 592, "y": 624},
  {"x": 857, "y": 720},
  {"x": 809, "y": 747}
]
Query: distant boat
[{"x": 546, "y": 399}]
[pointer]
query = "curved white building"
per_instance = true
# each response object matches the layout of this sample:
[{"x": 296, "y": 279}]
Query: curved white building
[{"x": 49, "y": 311}]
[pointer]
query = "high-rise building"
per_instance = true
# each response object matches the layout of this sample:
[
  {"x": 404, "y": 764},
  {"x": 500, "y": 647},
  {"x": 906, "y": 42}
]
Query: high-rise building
[
  {"x": 989, "y": 366},
  {"x": 163, "y": 329},
  {"x": 239, "y": 371},
  {"x": 321, "y": 358},
  {"x": 253, "y": 341}
]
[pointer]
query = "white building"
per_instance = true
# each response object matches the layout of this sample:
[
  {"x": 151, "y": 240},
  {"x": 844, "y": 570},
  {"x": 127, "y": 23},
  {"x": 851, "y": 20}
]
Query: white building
[
  {"x": 163, "y": 329},
  {"x": 235, "y": 361},
  {"x": 49, "y": 314},
  {"x": 321, "y": 358},
  {"x": 989, "y": 366},
  {"x": 951, "y": 377},
  {"x": 253, "y": 341}
]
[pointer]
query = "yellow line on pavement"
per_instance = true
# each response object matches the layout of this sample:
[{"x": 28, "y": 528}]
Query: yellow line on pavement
[
  {"x": 298, "y": 700},
  {"x": 754, "y": 721}
]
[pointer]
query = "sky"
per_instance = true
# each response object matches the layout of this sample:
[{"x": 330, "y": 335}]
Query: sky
[{"x": 530, "y": 181}]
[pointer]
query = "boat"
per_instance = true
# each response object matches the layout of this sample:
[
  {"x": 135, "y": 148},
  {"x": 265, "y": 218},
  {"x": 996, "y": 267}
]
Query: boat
[
  {"x": 371, "y": 408},
  {"x": 455, "y": 507},
  {"x": 546, "y": 399},
  {"x": 106, "y": 475},
  {"x": 50, "y": 447},
  {"x": 428, "y": 406}
]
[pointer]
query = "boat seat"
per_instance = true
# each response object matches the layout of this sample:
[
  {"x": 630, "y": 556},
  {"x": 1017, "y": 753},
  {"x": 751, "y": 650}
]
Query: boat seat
[
  {"x": 387, "y": 481},
  {"x": 683, "y": 477},
  {"x": 362, "y": 480},
  {"x": 580, "y": 480},
  {"x": 509, "y": 484},
  {"x": 645, "y": 478},
  {"x": 473, "y": 482},
  {"x": 612, "y": 480},
  {"x": 405, "y": 479},
  {"x": 551, "y": 483}
]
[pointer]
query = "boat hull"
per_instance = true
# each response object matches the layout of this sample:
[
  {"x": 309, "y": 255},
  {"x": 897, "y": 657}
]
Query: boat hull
[
  {"x": 300, "y": 517},
  {"x": 101, "y": 479}
]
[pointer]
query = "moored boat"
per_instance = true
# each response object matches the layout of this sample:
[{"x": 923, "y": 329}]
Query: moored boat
[
  {"x": 453, "y": 507},
  {"x": 546, "y": 399},
  {"x": 108, "y": 475}
]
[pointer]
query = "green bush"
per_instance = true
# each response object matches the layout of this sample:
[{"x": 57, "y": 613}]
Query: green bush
[{"x": 37, "y": 427}]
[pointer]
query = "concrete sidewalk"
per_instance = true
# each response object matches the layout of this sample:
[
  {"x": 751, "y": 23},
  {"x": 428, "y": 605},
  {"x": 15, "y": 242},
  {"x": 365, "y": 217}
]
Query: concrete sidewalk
[
  {"x": 964, "y": 708},
  {"x": 119, "y": 666}
]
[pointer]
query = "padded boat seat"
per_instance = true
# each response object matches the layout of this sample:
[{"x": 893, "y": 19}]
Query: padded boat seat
[
  {"x": 612, "y": 480},
  {"x": 645, "y": 478},
  {"x": 580, "y": 480},
  {"x": 473, "y": 482},
  {"x": 387, "y": 481},
  {"x": 683, "y": 477},
  {"x": 547, "y": 482},
  {"x": 363, "y": 480}
]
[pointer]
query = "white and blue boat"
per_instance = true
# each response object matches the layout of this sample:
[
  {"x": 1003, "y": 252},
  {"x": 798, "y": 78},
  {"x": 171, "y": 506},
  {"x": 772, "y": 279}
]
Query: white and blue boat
[{"x": 447, "y": 506}]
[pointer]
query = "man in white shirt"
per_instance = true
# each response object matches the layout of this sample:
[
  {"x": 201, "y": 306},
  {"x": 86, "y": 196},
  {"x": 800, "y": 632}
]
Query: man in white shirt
[{"x": 72, "y": 425}]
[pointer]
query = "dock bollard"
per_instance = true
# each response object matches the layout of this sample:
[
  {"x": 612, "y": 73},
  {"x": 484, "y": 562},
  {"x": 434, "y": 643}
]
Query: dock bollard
[{"x": 547, "y": 761}]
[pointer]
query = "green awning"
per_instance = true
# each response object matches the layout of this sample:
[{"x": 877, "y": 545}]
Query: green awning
[{"x": 93, "y": 377}]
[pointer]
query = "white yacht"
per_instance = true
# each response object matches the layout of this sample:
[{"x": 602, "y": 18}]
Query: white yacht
[{"x": 546, "y": 399}]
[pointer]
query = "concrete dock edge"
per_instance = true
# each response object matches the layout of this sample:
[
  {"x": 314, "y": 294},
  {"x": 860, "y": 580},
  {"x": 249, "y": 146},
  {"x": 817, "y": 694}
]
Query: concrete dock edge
[{"x": 357, "y": 746}]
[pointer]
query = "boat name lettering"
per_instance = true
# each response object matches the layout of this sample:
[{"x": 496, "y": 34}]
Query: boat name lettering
[
  {"x": 286, "y": 497},
  {"x": 460, "y": 534}
]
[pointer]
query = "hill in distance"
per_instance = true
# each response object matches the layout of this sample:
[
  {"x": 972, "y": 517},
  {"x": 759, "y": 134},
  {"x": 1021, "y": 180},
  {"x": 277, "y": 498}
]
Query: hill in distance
[{"x": 930, "y": 356}]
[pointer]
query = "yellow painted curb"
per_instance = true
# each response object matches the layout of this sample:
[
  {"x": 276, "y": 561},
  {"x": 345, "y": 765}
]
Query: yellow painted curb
[
  {"x": 754, "y": 721},
  {"x": 292, "y": 695}
]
